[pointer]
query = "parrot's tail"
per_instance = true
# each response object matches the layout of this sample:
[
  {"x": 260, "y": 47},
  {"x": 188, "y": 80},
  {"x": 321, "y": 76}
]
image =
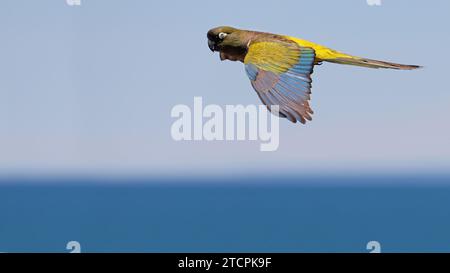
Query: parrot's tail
[{"x": 371, "y": 63}]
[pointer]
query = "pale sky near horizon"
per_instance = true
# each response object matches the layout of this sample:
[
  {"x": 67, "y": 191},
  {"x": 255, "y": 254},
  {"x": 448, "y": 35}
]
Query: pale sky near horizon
[{"x": 89, "y": 89}]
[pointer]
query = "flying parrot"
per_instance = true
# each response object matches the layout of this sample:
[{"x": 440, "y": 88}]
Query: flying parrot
[{"x": 279, "y": 67}]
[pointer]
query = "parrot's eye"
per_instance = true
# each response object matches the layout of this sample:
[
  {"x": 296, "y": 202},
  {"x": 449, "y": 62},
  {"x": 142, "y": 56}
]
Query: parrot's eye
[{"x": 222, "y": 35}]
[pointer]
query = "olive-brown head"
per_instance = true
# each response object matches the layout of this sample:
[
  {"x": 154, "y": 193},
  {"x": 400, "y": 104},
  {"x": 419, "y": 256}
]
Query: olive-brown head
[{"x": 232, "y": 43}]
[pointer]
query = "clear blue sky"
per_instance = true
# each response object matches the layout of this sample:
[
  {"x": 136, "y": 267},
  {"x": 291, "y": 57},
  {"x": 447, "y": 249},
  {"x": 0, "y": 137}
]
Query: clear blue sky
[{"x": 89, "y": 89}]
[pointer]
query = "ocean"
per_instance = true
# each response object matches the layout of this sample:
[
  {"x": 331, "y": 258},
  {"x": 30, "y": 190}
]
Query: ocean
[{"x": 241, "y": 214}]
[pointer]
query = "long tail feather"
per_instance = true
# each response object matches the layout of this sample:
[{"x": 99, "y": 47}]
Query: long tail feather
[{"x": 372, "y": 63}]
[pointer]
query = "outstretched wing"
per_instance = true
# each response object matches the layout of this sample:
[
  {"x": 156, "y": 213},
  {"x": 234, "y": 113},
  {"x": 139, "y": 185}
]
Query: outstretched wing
[{"x": 280, "y": 72}]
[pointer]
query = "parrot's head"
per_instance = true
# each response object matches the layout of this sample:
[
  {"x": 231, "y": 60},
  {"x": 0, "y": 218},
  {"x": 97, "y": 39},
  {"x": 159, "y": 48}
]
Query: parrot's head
[{"x": 230, "y": 42}]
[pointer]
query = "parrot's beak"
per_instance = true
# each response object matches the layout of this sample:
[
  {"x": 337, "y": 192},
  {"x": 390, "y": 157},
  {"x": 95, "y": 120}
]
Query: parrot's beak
[{"x": 212, "y": 45}]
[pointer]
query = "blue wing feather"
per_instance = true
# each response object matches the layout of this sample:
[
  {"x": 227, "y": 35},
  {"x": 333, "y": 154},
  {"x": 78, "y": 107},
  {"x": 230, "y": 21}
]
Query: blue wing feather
[{"x": 290, "y": 90}]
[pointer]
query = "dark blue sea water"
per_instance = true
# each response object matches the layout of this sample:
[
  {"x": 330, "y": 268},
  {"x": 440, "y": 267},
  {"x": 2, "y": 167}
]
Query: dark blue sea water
[{"x": 276, "y": 214}]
